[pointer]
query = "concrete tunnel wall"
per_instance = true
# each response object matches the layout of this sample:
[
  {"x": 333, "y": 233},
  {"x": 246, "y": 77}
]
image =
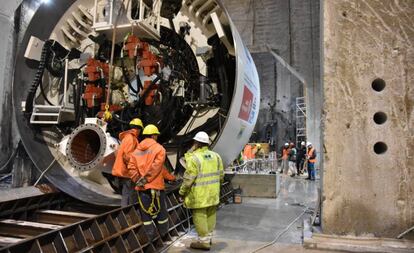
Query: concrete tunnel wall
[
  {"x": 8, "y": 133},
  {"x": 368, "y": 188}
]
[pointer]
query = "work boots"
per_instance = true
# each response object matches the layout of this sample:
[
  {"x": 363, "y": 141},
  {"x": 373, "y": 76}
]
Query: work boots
[
  {"x": 200, "y": 245},
  {"x": 203, "y": 243}
]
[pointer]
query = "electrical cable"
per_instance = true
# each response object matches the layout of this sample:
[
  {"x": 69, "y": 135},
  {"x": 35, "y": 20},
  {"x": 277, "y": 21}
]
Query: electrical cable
[
  {"x": 116, "y": 117},
  {"x": 42, "y": 90},
  {"x": 281, "y": 233},
  {"x": 148, "y": 90},
  {"x": 405, "y": 232},
  {"x": 137, "y": 78},
  {"x": 44, "y": 172}
]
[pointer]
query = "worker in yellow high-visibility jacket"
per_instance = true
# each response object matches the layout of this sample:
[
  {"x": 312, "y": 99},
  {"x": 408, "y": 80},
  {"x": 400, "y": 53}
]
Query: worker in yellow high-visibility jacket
[{"x": 201, "y": 188}]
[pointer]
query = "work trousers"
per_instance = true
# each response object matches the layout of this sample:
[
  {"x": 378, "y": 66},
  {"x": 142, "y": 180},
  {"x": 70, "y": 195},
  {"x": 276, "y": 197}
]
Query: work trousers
[
  {"x": 129, "y": 194},
  {"x": 292, "y": 168},
  {"x": 299, "y": 165},
  {"x": 311, "y": 171},
  {"x": 161, "y": 216},
  {"x": 205, "y": 221},
  {"x": 285, "y": 166}
]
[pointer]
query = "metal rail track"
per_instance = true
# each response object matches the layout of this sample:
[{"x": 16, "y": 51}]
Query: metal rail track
[{"x": 35, "y": 230}]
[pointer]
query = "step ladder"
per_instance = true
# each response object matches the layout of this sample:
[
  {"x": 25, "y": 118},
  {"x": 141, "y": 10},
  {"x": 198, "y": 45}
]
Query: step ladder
[{"x": 46, "y": 114}]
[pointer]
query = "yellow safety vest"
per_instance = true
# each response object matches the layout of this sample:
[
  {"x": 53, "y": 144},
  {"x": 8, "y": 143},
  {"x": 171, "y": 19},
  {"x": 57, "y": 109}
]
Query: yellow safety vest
[{"x": 205, "y": 170}]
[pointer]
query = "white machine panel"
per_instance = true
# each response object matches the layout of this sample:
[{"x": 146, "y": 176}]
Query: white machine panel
[{"x": 245, "y": 104}]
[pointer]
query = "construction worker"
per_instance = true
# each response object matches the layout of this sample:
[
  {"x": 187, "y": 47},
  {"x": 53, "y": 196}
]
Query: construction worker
[
  {"x": 285, "y": 157},
  {"x": 248, "y": 152},
  {"x": 146, "y": 167},
  {"x": 292, "y": 159},
  {"x": 129, "y": 141},
  {"x": 300, "y": 158},
  {"x": 201, "y": 188},
  {"x": 311, "y": 158}
]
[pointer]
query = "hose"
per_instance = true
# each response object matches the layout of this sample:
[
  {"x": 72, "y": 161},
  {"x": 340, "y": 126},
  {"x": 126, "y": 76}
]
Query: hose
[
  {"x": 281, "y": 233},
  {"x": 116, "y": 117},
  {"x": 405, "y": 232},
  {"x": 148, "y": 90}
]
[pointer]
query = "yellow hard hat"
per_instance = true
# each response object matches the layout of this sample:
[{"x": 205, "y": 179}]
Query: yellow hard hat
[
  {"x": 150, "y": 130},
  {"x": 136, "y": 122}
]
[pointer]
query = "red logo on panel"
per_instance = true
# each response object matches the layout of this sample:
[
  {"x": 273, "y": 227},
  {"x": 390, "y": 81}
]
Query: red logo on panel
[{"x": 247, "y": 103}]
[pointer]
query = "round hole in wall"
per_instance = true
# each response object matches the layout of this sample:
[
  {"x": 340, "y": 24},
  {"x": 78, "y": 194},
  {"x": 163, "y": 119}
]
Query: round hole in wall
[
  {"x": 380, "y": 118},
  {"x": 380, "y": 148},
  {"x": 378, "y": 84}
]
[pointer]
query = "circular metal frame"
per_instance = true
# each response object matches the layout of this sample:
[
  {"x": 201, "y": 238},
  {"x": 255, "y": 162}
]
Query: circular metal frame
[
  {"x": 98, "y": 157},
  {"x": 39, "y": 141}
]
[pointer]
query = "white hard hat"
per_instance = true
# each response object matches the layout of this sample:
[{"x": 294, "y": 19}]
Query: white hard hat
[
  {"x": 286, "y": 144},
  {"x": 202, "y": 137},
  {"x": 302, "y": 143},
  {"x": 308, "y": 144}
]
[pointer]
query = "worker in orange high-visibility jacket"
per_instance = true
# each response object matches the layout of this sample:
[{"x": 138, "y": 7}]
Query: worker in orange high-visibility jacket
[
  {"x": 247, "y": 152},
  {"x": 311, "y": 158},
  {"x": 285, "y": 157},
  {"x": 129, "y": 141},
  {"x": 146, "y": 168}
]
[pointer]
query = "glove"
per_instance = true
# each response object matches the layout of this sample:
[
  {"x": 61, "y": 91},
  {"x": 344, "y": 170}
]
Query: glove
[
  {"x": 180, "y": 199},
  {"x": 141, "y": 182}
]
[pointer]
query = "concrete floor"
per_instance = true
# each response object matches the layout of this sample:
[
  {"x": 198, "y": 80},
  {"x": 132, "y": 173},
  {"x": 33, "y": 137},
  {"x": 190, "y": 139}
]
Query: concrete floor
[{"x": 247, "y": 226}]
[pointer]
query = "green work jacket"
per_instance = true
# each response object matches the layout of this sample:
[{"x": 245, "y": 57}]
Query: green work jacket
[{"x": 202, "y": 179}]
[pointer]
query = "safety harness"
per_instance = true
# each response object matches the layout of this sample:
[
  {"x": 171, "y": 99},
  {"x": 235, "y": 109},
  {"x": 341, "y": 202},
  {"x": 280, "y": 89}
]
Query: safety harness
[{"x": 152, "y": 210}]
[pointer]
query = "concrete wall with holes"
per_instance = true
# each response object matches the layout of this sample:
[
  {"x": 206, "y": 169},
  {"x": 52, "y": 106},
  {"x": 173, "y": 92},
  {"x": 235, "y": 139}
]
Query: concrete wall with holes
[
  {"x": 368, "y": 80},
  {"x": 291, "y": 27}
]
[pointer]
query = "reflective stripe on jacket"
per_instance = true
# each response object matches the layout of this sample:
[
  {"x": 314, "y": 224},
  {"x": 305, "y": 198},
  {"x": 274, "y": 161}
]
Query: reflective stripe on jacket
[
  {"x": 202, "y": 179},
  {"x": 311, "y": 155},
  {"x": 148, "y": 161},
  {"x": 129, "y": 141}
]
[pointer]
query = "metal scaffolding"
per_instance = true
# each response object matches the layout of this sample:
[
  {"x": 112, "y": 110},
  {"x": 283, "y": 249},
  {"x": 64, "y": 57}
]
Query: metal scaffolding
[{"x": 300, "y": 120}]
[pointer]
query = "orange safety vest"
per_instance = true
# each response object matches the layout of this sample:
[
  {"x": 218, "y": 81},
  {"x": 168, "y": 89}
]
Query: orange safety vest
[
  {"x": 285, "y": 153},
  {"x": 310, "y": 154},
  {"x": 129, "y": 141},
  {"x": 248, "y": 152}
]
